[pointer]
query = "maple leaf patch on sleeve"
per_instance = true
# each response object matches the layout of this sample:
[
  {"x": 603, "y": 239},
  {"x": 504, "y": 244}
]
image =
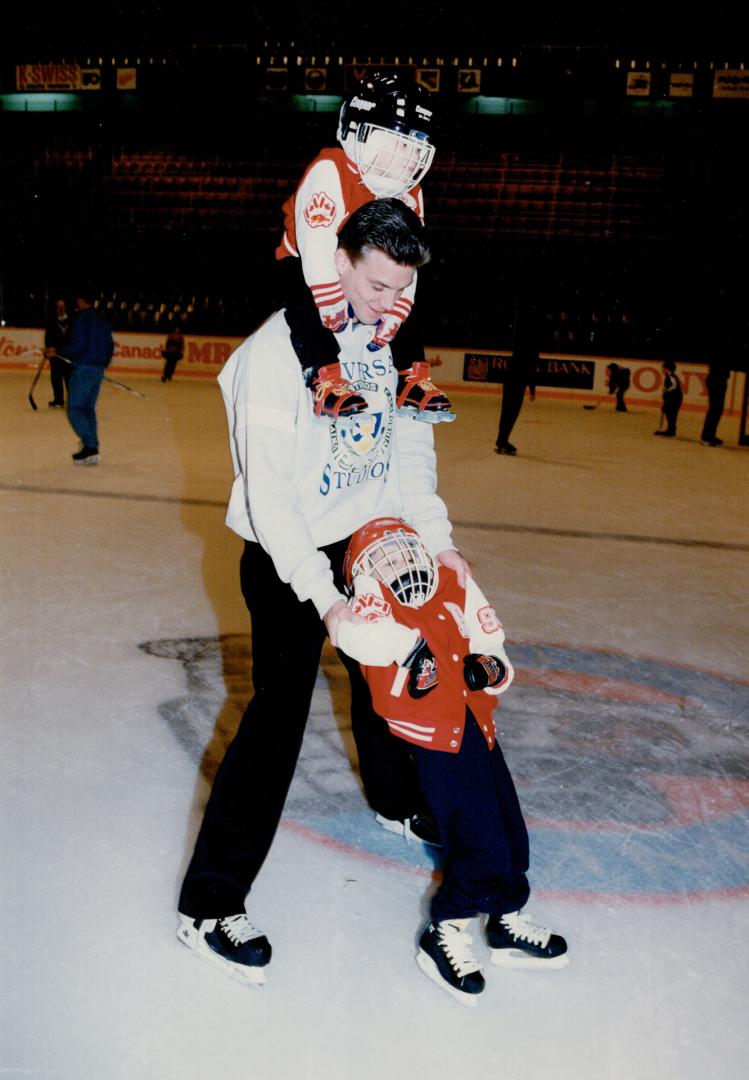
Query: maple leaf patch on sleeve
[
  {"x": 371, "y": 607},
  {"x": 320, "y": 212}
]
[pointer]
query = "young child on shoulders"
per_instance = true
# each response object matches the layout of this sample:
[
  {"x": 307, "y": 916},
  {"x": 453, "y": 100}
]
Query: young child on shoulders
[{"x": 385, "y": 151}]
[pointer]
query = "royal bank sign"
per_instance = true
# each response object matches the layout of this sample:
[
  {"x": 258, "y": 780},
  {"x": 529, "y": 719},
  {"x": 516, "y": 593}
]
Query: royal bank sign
[{"x": 573, "y": 373}]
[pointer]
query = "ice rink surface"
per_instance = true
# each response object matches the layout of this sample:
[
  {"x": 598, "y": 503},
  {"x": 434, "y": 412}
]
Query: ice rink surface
[{"x": 618, "y": 564}]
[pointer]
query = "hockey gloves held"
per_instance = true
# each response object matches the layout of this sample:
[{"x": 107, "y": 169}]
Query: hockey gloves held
[
  {"x": 481, "y": 671},
  {"x": 422, "y": 670}
]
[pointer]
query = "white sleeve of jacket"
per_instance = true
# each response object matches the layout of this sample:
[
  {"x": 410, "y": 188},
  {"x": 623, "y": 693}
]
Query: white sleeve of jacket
[
  {"x": 486, "y": 633},
  {"x": 264, "y": 398},
  {"x": 381, "y": 641},
  {"x": 317, "y": 243},
  {"x": 417, "y": 463}
]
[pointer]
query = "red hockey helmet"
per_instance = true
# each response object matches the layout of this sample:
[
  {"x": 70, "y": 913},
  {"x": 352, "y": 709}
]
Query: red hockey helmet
[{"x": 392, "y": 552}]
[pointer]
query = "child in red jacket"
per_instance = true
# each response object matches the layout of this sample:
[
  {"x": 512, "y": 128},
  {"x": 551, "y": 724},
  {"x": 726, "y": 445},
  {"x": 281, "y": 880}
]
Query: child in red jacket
[
  {"x": 432, "y": 652},
  {"x": 385, "y": 151}
]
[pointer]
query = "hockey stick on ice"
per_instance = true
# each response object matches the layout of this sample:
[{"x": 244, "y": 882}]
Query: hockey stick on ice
[
  {"x": 108, "y": 378},
  {"x": 32, "y": 403}
]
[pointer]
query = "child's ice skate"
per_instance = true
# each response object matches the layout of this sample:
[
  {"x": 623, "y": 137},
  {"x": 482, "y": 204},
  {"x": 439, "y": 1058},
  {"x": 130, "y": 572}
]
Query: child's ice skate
[
  {"x": 445, "y": 956},
  {"x": 334, "y": 396},
  {"x": 419, "y": 398},
  {"x": 516, "y": 943}
]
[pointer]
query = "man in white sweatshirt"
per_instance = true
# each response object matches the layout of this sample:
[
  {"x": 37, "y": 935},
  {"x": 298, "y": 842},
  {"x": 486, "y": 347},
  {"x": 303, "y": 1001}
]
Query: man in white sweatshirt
[{"x": 302, "y": 486}]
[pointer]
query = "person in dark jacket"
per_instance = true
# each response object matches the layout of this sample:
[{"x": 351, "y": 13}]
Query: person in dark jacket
[
  {"x": 716, "y": 384},
  {"x": 520, "y": 374},
  {"x": 56, "y": 335},
  {"x": 173, "y": 351},
  {"x": 618, "y": 384},
  {"x": 89, "y": 351},
  {"x": 673, "y": 396}
]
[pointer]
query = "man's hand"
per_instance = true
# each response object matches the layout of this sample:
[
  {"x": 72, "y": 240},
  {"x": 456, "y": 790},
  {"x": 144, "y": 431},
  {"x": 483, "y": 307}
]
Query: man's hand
[
  {"x": 453, "y": 560},
  {"x": 339, "y": 613}
]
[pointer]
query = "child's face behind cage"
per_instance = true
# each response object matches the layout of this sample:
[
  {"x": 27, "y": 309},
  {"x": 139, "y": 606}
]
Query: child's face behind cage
[{"x": 404, "y": 566}]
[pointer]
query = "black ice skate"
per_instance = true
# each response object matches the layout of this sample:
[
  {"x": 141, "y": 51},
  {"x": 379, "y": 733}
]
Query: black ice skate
[
  {"x": 231, "y": 944},
  {"x": 87, "y": 455},
  {"x": 445, "y": 956},
  {"x": 421, "y": 827},
  {"x": 516, "y": 943}
]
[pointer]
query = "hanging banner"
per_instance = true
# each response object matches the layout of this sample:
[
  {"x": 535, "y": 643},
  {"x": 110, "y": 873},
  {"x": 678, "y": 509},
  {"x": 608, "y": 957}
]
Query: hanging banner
[
  {"x": 469, "y": 81},
  {"x": 428, "y": 79},
  {"x": 731, "y": 83},
  {"x": 638, "y": 84},
  {"x": 57, "y": 77},
  {"x": 315, "y": 80},
  {"x": 127, "y": 78},
  {"x": 680, "y": 84}
]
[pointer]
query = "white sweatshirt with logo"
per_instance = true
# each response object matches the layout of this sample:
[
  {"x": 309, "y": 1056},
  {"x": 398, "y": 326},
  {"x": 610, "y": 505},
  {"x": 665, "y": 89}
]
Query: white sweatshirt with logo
[{"x": 300, "y": 481}]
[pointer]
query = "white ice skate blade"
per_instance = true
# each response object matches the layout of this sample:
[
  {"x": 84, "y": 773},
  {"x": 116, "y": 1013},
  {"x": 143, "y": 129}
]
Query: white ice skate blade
[
  {"x": 427, "y": 417},
  {"x": 400, "y": 828},
  {"x": 432, "y": 972},
  {"x": 392, "y": 825},
  {"x": 189, "y": 936},
  {"x": 519, "y": 960}
]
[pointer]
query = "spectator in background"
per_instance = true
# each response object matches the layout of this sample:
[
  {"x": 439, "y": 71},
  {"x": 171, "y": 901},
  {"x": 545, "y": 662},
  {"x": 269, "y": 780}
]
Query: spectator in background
[
  {"x": 672, "y": 399},
  {"x": 520, "y": 373},
  {"x": 173, "y": 351},
  {"x": 716, "y": 384},
  {"x": 89, "y": 351},
  {"x": 618, "y": 384},
  {"x": 56, "y": 335}
]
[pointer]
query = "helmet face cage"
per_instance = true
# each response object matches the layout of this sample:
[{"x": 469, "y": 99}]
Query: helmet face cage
[
  {"x": 391, "y": 162},
  {"x": 385, "y": 130},
  {"x": 397, "y": 557}
]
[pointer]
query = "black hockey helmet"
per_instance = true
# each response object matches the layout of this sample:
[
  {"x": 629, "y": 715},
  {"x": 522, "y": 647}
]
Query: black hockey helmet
[{"x": 385, "y": 127}]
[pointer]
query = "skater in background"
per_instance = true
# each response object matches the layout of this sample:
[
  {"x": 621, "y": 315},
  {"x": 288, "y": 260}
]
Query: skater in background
[
  {"x": 672, "y": 399},
  {"x": 173, "y": 351},
  {"x": 90, "y": 350},
  {"x": 385, "y": 151},
  {"x": 520, "y": 374},
  {"x": 56, "y": 335},
  {"x": 716, "y": 384},
  {"x": 618, "y": 385},
  {"x": 432, "y": 652}
]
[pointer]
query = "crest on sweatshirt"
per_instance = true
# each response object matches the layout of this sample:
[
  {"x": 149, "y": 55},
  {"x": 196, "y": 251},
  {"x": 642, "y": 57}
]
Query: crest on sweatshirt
[{"x": 360, "y": 445}]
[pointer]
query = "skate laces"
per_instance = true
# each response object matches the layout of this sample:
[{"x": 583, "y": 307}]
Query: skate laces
[
  {"x": 521, "y": 927},
  {"x": 323, "y": 387},
  {"x": 239, "y": 929},
  {"x": 456, "y": 944}
]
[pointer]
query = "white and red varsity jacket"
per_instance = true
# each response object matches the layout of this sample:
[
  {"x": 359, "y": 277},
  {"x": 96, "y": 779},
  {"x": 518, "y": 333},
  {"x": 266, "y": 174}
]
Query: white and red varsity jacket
[
  {"x": 328, "y": 193},
  {"x": 454, "y": 622}
]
